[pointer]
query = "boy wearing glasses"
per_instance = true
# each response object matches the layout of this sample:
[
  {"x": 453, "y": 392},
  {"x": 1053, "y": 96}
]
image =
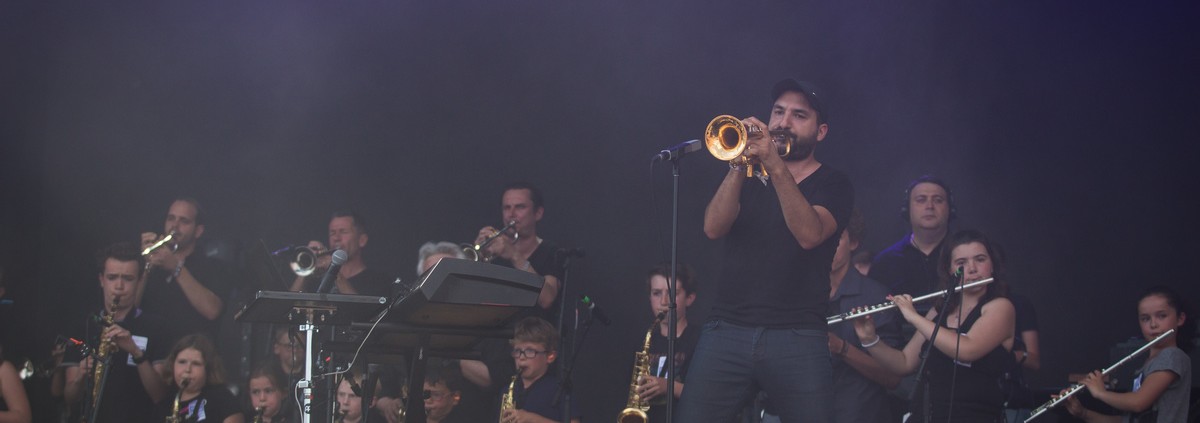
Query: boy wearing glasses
[{"x": 533, "y": 351}]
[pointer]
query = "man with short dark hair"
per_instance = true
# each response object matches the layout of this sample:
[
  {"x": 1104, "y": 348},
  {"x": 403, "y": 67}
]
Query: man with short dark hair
[
  {"x": 521, "y": 247},
  {"x": 347, "y": 232},
  {"x": 767, "y": 331},
  {"x": 910, "y": 265},
  {"x": 183, "y": 287},
  {"x": 141, "y": 340}
]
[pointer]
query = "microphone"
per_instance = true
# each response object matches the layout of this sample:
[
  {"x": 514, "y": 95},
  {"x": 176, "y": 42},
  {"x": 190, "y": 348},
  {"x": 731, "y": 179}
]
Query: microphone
[
  {"x": 597, "y": 312},
  {"x": 339, "y": 257},
  {"x": 679, "y": 150},
  {"x": 571, "y": 252}
]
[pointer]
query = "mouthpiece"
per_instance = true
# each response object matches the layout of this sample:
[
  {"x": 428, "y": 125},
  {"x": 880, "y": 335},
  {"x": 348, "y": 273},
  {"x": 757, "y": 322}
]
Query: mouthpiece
[{"x": 184, "y": 383}]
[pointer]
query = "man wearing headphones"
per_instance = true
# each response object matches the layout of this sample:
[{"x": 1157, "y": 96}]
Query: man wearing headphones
[{"x": 910, "y": 265}]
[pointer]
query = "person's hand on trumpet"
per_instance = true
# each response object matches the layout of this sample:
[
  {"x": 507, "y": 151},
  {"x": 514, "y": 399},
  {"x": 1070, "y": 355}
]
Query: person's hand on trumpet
[
  {"x": 760, "y": 148},
  {"x": 501, "y": 246},
  {"x": 161, "y": 257},
  {"x": 323, "y": 260}
]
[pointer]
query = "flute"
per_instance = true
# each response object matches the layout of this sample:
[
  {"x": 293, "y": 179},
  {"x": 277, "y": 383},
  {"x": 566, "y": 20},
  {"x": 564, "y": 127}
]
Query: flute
[
  {"x": 1079, "y": 386},
  {"x": 837, "y": 318}
]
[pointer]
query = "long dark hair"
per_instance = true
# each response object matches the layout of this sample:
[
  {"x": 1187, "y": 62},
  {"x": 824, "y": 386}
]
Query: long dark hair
[
  {"x": 214, "y": 371},
  {"x": 946, "y": 278},
  {"x": 1186, "y": 332}
]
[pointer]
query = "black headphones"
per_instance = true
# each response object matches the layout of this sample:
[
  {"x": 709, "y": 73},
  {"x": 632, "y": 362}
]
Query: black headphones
[{"x": 931, "y": 179}]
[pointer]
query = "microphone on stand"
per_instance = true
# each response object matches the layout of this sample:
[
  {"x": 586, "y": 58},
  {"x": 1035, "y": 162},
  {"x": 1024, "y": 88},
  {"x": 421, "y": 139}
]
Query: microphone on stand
[
  {"x": 597, "y": 312},
  {"x": 678, "y": 151},
  {"x": 339, "y": 257}
]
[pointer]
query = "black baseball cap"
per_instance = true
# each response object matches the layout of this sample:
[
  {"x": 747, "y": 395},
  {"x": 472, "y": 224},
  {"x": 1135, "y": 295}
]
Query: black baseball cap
[{"x": 810, "y": 91}]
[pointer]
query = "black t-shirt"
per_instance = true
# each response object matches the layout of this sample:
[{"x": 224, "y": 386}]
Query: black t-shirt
[
  {"x": 545, "y": 262},
  {"x": 685, "y": 345},
  {"x": 539, "y": 398},
  {"x": 214, "y": 404},
  {"x": 974, "y": 387},
  {"x": 906, "y": 270},
  {"x": 371, "y": 282},
  {"x": 164, "y": 297},
  {"x": 124, "y": 398},
  {"x": 768, "y": 280}
]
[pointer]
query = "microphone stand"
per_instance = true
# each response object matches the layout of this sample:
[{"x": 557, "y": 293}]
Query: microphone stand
[
  {"x": 941, "y": 317},
  {"x": 565, "y": 384},
  {"x": 564, "y": 368},
  {"x": 671, "y": 311}
]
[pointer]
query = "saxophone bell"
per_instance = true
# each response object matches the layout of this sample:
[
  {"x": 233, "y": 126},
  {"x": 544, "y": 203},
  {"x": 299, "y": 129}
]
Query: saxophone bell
[{"x": 636, "y": 407}]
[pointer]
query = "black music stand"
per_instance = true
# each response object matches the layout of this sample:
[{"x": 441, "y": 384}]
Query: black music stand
[
  {"x": 455, "y": 304},
  {"x": 308, "y": 310}
]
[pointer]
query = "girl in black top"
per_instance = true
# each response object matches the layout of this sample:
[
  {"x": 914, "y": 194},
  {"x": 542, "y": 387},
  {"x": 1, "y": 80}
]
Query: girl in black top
[
  {"x": 972, "y": 349},
  {"x": 198, "y": 384}
]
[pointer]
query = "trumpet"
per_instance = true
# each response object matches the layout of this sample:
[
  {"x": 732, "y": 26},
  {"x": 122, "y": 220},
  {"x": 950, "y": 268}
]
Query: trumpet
[
  {"x": 1079, "y": 386},
  {"x": 475, "y": 252},
  {"x": 838, "y": 318},
  {"x": 302, "y": 260},
  {"x": 160, "y": 243},
  {"x": 726, "y": 138}
]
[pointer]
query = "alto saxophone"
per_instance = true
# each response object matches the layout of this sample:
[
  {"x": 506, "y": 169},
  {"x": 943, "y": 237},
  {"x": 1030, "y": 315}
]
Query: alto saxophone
[
  {"x": 174, "y": 417},
  {"x": 636, "y": 407},
  {"x": 100, "y": 359},
  {"x": 506, "y": 402},
  {"x": 258, "y": 414}
]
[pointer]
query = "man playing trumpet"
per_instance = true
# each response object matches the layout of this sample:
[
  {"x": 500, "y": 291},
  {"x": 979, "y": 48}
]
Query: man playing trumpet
[
  {"x": 347, "y": 232},
  {"x": 521, "y": 248},
  {"x": 183, "y": 287}
]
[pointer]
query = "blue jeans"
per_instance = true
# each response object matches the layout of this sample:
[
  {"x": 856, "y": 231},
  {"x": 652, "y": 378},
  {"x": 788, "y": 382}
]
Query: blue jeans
[{"x": 732, "y": 363}]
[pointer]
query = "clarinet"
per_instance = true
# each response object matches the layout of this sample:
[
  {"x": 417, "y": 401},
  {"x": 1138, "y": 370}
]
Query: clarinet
[
  {"x": 838, "y": 318},
  {"x": 1079, "y": 386}
]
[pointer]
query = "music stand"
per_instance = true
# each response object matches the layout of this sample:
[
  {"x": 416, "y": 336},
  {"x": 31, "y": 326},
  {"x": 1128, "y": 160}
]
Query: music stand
[
  {"x": 454, "y": 305},
  {"x": 309, "y": 310}
]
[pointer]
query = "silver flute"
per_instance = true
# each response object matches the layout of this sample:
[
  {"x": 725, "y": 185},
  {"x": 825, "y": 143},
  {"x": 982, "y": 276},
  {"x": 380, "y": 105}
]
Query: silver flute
[
  {"x": 1079, "y": 386},
  {"x": 838, "y": 318}
]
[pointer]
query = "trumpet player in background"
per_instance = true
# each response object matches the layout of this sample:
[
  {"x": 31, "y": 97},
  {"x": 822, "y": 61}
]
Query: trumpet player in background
[
  {"x": 975, "y": 337},
  {"x": 653, "y": 388},
  {"x": 197, "y": 390},
  {"x": 183, "y": 286},
  {"x": 133, "y": 384},
  {"x": 767, "y": 329},
  {"x": 534, "y": 348},
  {"x": 520, "y": 247},
  {"x": 347, "y": 232}
]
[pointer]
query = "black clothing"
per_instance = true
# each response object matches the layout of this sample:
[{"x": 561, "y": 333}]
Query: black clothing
[
  {"x": 164, "y": 297},
  {"x": 906, "y": 270},
  {"x": 857, "y": 398},
  {"x": 1017, "y": 392},
  {"x": 976, "y": 386},
  {"x": 768, "y": 280},
  {"x": 539, "y": 398},
  {"x": 214, "y": 404},
  {"x": 371, "y": 282},
  {"x": 685, "y": 345},
  {"x": 546, "y": 262},
  {"x": 124, "y": 398}
]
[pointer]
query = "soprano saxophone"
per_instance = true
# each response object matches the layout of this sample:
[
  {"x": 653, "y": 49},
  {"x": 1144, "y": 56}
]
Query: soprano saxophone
[
  {"x": 636, "y": 407},
  {"x": 100, "y": 360},
  {"x": 506, "y": 402},
  {"x": 174, "y": 417}
]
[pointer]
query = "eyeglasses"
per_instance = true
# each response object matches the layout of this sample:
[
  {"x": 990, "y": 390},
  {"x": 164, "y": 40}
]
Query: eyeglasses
[
  {"x": 527, "y": 353},
  {"x": 434, "y": 395}
]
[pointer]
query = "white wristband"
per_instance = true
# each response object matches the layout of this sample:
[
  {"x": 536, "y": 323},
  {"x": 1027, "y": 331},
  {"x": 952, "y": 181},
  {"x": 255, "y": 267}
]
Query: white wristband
[{"x": 872, "y": 343}]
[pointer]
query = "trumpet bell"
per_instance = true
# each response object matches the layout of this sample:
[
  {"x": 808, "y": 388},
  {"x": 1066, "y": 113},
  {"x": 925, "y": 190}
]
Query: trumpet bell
[{"x": 725, "y": 137}]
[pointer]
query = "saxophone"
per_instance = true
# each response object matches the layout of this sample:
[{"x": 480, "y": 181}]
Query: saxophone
[
  {"x": 506, "y": 402},
  {"x": 258, "y": 414},
  {"x": 174, "y": 417},
  {"x": 101, "y": 357},
  {"x": 636, "y": 408}
]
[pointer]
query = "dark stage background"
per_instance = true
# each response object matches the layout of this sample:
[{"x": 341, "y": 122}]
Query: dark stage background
[{"x": 1066, "y": 129}]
